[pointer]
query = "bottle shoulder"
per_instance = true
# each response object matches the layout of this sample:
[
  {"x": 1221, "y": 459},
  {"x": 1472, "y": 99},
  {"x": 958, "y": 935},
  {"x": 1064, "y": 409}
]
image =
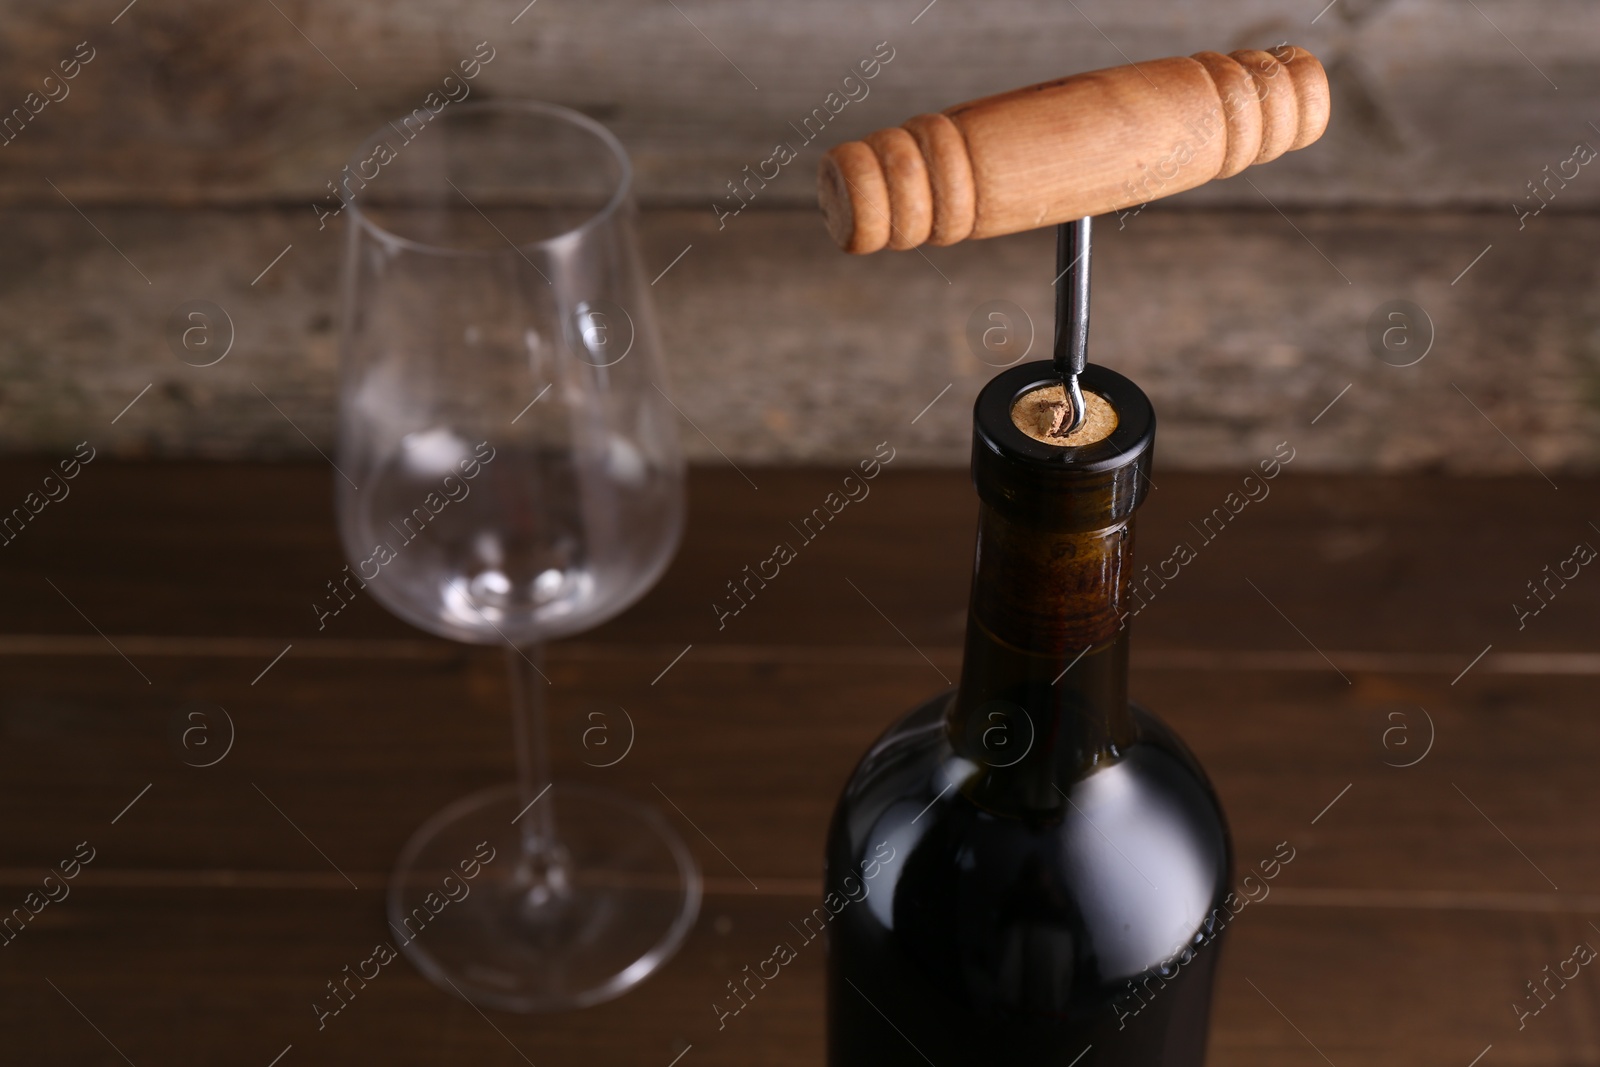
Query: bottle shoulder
[{"x": 1124, "y": 873}]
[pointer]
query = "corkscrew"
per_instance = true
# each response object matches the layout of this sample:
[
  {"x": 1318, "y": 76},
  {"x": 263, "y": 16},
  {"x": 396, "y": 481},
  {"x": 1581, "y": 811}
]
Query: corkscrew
[{"x": 1064, "y": 151}]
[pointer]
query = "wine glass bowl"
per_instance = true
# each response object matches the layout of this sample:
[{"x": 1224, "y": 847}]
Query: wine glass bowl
[
  {"x": 480, "y": 539},
  {"x": 509, "y": 473},
  {"x": 500, "y": 383}
]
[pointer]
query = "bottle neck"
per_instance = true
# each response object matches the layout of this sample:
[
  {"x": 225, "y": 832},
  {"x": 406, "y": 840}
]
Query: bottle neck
[{"x": 1043, "y": 697}]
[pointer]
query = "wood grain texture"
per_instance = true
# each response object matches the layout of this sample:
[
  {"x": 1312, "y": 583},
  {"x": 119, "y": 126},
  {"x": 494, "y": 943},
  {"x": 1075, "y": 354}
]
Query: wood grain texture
[
  {"x": 229, "y": 975},
  {"x": 217, "y": 102},
  {"x": 949, "y": 177},
  {"x": 360, "y": 752},
  {"x": 782, "y": 350},
  {"x": 1402, "y": 931},
  {"x": 1086, "y": 144},
  {"x": 1396, "y": 574}
]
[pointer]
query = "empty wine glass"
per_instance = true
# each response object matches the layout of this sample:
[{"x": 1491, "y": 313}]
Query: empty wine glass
[{"x": 508, "y": 473}]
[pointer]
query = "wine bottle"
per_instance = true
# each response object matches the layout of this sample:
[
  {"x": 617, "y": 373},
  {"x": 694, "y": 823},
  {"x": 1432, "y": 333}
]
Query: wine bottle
[{"x": 1029, "y": 869}]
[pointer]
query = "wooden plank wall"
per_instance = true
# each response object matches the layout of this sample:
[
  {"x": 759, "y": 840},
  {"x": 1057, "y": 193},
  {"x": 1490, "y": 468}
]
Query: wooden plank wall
[{"x": 187, "y": 151}]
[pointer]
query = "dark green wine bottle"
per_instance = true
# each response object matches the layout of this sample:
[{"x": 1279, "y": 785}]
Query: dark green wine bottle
[{"x": 1029, "y": 870}]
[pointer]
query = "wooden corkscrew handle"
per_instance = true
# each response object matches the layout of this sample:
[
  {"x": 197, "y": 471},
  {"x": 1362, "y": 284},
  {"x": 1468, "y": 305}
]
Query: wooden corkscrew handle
[{"x": 1081, "y": 145}]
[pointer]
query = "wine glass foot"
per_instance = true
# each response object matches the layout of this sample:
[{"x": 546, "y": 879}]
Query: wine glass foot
[{"x": 562, "y": 927}]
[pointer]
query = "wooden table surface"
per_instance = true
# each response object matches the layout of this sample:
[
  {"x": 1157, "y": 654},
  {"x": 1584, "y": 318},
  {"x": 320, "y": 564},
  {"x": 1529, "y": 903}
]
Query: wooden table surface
[{"x": 1331, "y": 632}]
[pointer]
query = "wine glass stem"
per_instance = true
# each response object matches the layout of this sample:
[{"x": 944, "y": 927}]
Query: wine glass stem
[{"x": 531, "y": 733}]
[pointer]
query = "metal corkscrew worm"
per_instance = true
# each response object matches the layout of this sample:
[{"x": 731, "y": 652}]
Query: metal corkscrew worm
[{"x": 1072, "y": 319}]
